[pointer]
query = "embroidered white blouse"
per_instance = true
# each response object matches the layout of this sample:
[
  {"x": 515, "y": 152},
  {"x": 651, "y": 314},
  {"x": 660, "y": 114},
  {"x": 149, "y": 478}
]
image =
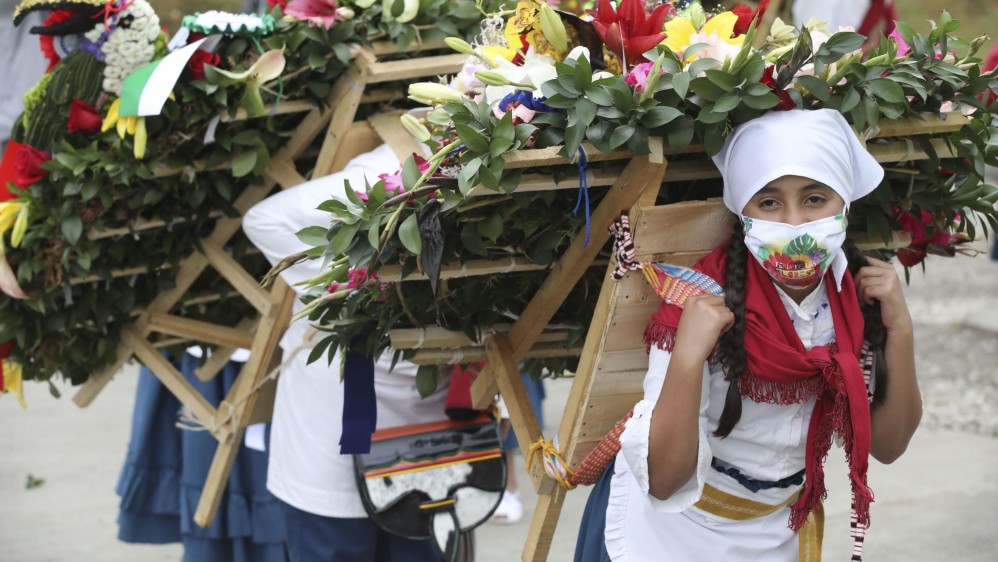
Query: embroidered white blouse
[{"x": 768, "y": 443}]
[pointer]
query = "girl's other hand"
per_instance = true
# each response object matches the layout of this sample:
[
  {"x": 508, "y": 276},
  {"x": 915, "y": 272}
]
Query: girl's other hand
[
  {"x": 878, "y": 281},
  {"x": 704, "y": 319}
]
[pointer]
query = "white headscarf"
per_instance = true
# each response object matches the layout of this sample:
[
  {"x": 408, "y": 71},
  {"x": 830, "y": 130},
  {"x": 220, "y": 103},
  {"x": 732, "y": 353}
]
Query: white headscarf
[{"x": 817, "y": 144}]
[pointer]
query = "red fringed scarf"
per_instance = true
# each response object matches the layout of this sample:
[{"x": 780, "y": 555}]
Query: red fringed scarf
[{"x": 781, "y": 371}]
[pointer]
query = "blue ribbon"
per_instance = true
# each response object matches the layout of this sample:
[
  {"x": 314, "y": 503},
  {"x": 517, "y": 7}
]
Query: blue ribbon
[
  {"x": 360, "y": 406},
  {"x": 527, "y": 100},
  {"x": 583, "y": 191}
]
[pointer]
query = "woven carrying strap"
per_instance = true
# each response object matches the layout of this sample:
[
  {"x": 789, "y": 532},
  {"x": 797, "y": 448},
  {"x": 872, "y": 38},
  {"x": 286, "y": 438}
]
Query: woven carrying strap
[{"x": 596, "y": 462}]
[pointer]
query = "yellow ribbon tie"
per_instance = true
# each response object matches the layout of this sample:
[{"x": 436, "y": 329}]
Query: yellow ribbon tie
[{"x": 554, "y": 463}]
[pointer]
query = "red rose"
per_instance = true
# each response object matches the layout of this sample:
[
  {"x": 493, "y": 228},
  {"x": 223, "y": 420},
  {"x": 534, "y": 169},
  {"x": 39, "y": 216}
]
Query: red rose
[
  {"x": 199, "y": 59},
  {"x": 28, "y": 165},
  {"x": 746, "y": 15},
  {"x": 282, "y": 3},
  {"x": 786, "y": 102},
  {"x": 83, "y": 117}
]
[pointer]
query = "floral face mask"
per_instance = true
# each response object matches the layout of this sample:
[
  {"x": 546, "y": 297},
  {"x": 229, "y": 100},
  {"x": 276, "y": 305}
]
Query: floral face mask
[{"x": 795, "y": 256}]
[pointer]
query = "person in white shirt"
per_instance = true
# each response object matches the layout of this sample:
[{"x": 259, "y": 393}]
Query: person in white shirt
[
  {"x": 324, "y": 518},
  {"x": 722, "y": 459}
]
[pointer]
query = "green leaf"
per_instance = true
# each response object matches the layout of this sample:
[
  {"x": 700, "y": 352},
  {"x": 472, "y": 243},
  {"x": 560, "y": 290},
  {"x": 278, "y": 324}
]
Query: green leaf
[
  {"x": 681, "y": 84},
  {"x": 727, "y": 102},
  {"x": 345, "y": 237},
  {"x": 426, "y": 380},
  {"x": 680, "y": 134},
  {"x": 471, "y": 240},
  {"x": 410, "y": 173},
  {"x": 765, "y": 101},
  {"x": 511, "y": 180},
  {"x": 409, "y": 234},
  {"x": 313, "y": 236},
  {"x": 849, "y": 101},
  {"x": 243, "y": 163},
  {"x": 659, "y": 115},
  {"x": 722, "y": 79},
  {"x": 815, "y": 86},
  {"x": 600, "y": 95},
  {"x": 472, "y": 139},
  {"x": 887, "y": 90},
  {"x": 620, "y": 135},
  {"x": 585, "y": 112},
  {"x": 491, "y": 227},
  {"x": 352, "y": 195},
  {"x": 72, "y": 229}
]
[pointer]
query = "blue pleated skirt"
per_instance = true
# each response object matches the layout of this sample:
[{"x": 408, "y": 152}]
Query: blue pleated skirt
[
  {"x": 591, "y": 544},
  {"x": 165, "y": 469}
]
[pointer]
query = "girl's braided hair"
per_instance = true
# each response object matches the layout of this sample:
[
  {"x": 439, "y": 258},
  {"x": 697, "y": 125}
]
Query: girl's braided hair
[{"x": 731, "y": 345}]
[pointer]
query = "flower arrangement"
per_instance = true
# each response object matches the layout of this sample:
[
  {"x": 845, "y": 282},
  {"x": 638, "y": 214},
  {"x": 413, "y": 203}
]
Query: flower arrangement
[
  {"x": 78, "y": 174},
  {"x": 641, "y": 71}
]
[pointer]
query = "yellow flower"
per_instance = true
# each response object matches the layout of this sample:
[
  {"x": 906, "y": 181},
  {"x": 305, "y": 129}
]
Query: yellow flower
[
  {"x": 127, "y": 125},
  {"x": 14, "y": 217},
  {"x": 681, "y": 33},
  {"x": 12, "y": 380}
]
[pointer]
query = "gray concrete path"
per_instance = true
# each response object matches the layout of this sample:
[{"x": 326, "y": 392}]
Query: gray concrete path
[{"x": 938, "y": 502}]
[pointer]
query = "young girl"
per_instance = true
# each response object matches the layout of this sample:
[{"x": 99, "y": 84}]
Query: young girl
[{"x": 722, "y": 459}]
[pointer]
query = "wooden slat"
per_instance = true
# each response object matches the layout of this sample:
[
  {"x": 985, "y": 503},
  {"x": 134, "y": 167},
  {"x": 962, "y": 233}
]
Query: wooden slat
[
  {"x": 927, "y": 124},
  {"x": 221, "y": 355},
  {"x": 902, "y": 152},
  {"x": 169, "y": 375},
  {"x": 390, "y": 129},
  {"x": 682, "y": 227},
  {"x": 504, "y": 362},
  {"x": 377, "y": 72},
  {"x": 283, "y": 108},
  {"x": 435, "y": 337},
  {"x": 347, "y": 92},
  {"x": 639, "y": 175},
  {"x": 468, "y": 269},
  {"x": 360, "y": 138},
  {"x": 598, "y": 177},
  {"x": 441, "y": 356},
  {"x": 286, "y": 174},
  {"x": 140, "y": 225},
  {"x": 243, "y": 397},
  {"x": 390, "y": 48},
  {"x": 233, "y": 272},
  {"x": 621, "y": 382},
  {"x": 199, "y": 331},
  {"x": 541, "y": 532}
]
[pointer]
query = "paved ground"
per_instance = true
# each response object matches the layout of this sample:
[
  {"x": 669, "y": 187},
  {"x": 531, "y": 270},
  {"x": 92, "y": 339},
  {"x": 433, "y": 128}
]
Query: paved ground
[{"x": 939, "y": 502}]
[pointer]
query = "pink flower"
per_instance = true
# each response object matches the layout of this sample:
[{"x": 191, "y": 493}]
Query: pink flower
[
  {"x": 903, "y": 46},
  {"x": 393, "y": 182},
  {"x": 637, "y": 78},
  {"x": 333, "y": 287},
  {"x": 362, "y": 195},
  {"x": 358, "y": 277},
  {"x": 318, "y": 13}
]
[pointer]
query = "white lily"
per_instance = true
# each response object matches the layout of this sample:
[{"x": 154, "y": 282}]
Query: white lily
[{"x": 535, "y": 70}]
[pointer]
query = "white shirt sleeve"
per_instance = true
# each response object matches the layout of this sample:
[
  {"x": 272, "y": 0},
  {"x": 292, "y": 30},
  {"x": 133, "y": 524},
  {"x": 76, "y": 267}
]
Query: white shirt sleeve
[
  {"x": 634, "y": 439},
  {"x": 273, "y": 224}
]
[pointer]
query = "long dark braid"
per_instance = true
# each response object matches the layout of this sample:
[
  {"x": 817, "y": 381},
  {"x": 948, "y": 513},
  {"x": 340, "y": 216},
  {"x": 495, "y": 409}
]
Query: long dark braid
[
  {"x": 731, "y": 345},
  {"x": 873, "y": 325}
]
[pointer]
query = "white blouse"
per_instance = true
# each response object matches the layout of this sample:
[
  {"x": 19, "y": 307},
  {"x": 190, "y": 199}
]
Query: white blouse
[{"x": 768, "y": 443}]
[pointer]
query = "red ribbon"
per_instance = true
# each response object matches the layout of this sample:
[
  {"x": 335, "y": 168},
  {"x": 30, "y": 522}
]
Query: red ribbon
[{"x": 110, "y": 9}]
